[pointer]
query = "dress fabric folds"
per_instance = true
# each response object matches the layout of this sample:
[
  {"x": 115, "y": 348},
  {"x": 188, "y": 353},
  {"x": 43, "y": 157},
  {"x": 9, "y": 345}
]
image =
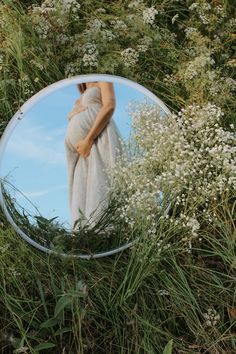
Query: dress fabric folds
[{"x": 88, "y": 181}]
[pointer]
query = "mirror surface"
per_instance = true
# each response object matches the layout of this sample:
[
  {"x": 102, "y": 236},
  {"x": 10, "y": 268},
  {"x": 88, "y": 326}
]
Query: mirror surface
[{"x": 40, "y": 170}]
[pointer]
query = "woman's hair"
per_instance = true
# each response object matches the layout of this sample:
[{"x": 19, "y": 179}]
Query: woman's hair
[{"x": 82, "y": 87}]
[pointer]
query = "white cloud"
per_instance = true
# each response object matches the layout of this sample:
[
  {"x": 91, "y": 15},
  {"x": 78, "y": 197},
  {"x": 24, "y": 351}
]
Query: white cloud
[
  {"x": 37, "y": 145},
  {"x": 41, "y": 193}
]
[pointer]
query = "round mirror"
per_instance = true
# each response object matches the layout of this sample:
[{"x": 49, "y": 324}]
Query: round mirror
[{"x": 57, "y": 155}]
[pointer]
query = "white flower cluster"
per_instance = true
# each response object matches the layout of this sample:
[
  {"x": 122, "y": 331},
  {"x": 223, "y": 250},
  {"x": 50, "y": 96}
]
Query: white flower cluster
[
  {"x": 37, "y": 65},
  {"x": 171, "y": 79},
  {"x": 90, "y": 57},
  {"x": 149, "y": 14},
  {"x": 231, "y": 62},
  {"x": 158, "y": 245},
  {"x": 101, "y": 10},
  {"x": 204, "y": 11},
  {"x": 130, "y": 56},
  {"x": 189, "y": 31},
  {"x": 211, "y": 317},
  {"x": 230, "y": 82},
  {"x": 191, "y": 224},
  {"x": 118, "y": 24},
  {"x": 108, "y": 35},
  {"x": 62, "y": 38},
  {"x": 130, "y": 17},
  {"x": 63, "y": 6},
  {"x": 218, "y": 85},
  {"x": 188, "y": 153},
  {"x": 212, "y": 148},
  {"x": 98, "y": 28},
  {"x": 232, "y": 21},
  {"x": 135, "y": 4},
  {"x": 13, "y": 271},
  {"x": 4, "y": 248},
  {"x": 96, "y": 25},
  {"x": 71, "y": 69},
  {"x": 42, "y": 25},
  {"x": 144, "y": 44},
  {"x": 52, "y": 15},
  {"x": 163, "y": 292},
  {"x": 219, "y": 10},
  {"x": 194, "y": 225},
  {"x": 195, "y": 67},
  {"x": 24, "y": 82}
]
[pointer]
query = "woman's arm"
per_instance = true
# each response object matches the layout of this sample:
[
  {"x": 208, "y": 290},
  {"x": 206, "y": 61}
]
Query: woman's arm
[
  {"x": 108, "y": 106},
  {"x": 105, "y": 113}
]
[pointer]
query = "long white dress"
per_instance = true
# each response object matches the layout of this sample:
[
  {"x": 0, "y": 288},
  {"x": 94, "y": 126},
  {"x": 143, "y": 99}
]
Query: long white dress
[{"x": 87, "y": 177}]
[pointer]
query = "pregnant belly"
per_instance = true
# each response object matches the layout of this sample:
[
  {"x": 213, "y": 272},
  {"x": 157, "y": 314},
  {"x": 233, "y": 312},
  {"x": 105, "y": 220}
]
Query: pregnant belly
[{"x": 80, "y": 124}]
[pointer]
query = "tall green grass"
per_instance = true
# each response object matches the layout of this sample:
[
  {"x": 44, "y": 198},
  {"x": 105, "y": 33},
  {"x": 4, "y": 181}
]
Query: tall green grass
[{"x": 148, "y": 298}]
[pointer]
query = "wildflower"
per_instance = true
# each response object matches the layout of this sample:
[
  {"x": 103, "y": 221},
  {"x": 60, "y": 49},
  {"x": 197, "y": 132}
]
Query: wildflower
[
  {"x": 189, "y": 31},
  {"x": 62, "y": 38},
  {"x": 202, "y": 10},
  {"x": 195, "y": 66},
  {"x": 71, "y": 69},
  {"x": 13, "y": 271},
  {"x": 118, "y": 24},
  {"x": 130, "y": 56},
  {"x": 211, "y": 317},
  {"x": 163, "y": 292},
  {"x": 96, "y": 25},
  {"x": 108, "y": 35},
  {"x": 4, "y": 248},
  {"x": 144, "y": 44},
  {"x": 149, "y": 14},
  {"x": 188, "y": 151},
  {"x": 171, "y": 79},
  {"x": 174, "y": 18},
  {"x": 135, "y": 4},
  {"x": 91, "y": 54},
  {"x": 101, "y": 10},
  {"x": 58, "y": 10},
  {"x": 130, "y": 17},
  {"x": 194, "y": 225}
]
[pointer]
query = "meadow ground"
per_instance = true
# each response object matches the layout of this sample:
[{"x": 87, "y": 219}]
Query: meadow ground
[{"x": 174, "y": 290}]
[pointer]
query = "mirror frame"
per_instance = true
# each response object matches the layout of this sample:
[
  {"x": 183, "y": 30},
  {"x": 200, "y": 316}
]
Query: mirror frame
[{"x": 23, "y": 110}]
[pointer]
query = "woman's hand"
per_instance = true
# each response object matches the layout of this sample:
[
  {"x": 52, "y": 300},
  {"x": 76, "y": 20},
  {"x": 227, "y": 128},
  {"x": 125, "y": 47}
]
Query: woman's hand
[
  {"x": 84, "y": 146},
  {"x": 77, "y": 109}
]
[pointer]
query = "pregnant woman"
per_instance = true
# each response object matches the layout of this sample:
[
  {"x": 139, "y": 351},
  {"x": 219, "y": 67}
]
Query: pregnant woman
[{"x": 93, "y": 143}]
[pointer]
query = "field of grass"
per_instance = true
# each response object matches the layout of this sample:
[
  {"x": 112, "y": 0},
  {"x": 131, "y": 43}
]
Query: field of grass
[{"x": 173, "y": 292}]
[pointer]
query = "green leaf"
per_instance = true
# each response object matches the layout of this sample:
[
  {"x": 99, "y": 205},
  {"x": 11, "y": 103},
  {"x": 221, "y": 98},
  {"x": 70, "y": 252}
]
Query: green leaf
[
  {"x": 63, "y": 330},
  {"x": 42, "y": 297},
  {"x": 55, "y": 217},
  {"x": 49, "y": 323},
  {"x": 45, "y": 345},
  {"x": 168, "y": 347},
  {"x": 61, "y": 304},
  {"x": 17, "y": 342}
]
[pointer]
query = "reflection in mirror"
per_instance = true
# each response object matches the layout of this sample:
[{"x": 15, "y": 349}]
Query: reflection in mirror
[
  {"x": 61, "y": 170},
  {"x": 92, "y": 144}
]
